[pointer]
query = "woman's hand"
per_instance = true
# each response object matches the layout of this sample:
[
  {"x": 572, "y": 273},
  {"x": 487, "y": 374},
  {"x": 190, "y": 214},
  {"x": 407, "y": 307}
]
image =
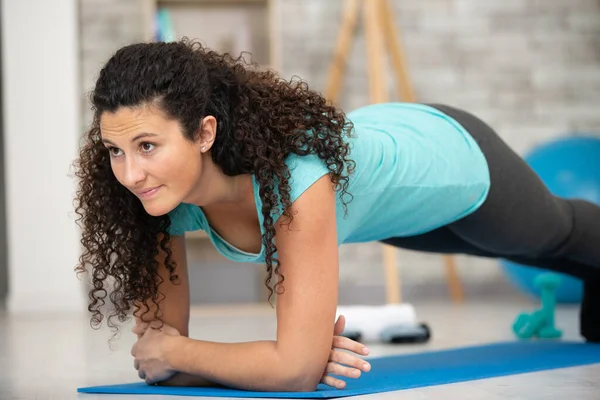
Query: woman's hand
[
  {"x": 150, "y": 352},
  {"x": 149, "y": 360},
  {"x": 342, "y": 363}
]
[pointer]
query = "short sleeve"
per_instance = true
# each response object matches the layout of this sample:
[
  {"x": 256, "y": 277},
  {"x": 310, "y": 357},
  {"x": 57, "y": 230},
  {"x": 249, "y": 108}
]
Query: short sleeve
[
  {"x": 184, "y": 218},
  {"x": 304, "y": 172}
]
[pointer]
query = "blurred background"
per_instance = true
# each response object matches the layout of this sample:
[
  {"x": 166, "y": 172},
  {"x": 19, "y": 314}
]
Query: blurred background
[{"x": 530, "y": 68}]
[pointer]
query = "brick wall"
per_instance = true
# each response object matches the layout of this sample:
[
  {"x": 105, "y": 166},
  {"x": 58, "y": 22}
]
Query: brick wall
[
  {"x": 531, "y": 68},
  {"x": 104, "y": 27}
]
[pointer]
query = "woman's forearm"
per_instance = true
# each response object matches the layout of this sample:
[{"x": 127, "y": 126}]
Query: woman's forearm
[
  {"x": 248, "y": 366},
  {"x": 183, "y": 379}
]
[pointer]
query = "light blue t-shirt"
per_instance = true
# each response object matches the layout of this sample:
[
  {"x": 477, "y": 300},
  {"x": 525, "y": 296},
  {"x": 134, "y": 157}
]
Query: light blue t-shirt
[{"x": 417, "y": 169}]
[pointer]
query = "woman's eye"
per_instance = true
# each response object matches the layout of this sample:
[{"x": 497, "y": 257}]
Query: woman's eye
[
  {"x": 147, "y": 147},
  {"x": 115, "y": 152}
]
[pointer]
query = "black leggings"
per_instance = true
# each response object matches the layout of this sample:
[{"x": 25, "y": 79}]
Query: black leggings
[{"x": 520, "y": 220}]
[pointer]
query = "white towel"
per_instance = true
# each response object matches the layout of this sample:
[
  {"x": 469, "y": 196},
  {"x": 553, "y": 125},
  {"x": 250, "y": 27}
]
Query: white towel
[{"x": 370, "y": 321}]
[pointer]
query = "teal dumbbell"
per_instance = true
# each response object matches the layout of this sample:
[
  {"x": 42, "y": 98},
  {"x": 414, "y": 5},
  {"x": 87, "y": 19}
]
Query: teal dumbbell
[{"x": 541, "y": 322}]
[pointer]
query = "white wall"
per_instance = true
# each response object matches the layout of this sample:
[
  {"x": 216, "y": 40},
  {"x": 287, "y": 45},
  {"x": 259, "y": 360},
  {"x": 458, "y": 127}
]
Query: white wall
[{"x": 42, "y": 123}]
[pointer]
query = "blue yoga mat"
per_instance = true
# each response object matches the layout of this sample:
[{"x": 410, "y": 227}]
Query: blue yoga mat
[{"x": 413, "y": 370}]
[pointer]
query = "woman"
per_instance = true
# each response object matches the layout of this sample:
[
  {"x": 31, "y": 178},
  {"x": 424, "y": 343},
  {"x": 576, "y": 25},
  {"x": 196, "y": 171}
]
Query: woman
[{"x": 185, "y": 139}]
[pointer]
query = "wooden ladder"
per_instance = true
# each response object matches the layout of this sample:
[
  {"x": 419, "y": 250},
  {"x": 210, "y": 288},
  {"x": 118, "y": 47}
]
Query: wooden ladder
[{"x": 381, "y": 34}]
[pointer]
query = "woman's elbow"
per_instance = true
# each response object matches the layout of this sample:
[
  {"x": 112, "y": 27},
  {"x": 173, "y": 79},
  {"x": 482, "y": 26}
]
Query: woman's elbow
[
  {"x": 300, "y": 383},
  {"x": 304, "y": 378}
]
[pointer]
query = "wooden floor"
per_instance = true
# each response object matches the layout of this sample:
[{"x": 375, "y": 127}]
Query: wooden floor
[{"x": 48, "y": 357}]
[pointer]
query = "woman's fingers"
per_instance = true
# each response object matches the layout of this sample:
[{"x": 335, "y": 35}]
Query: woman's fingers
[
  {"x": 341, "y": 342},
  {"x": 339, "y": 326},
  {"x": 333, "y": 382},
  {"x": 341, "y": 363},
  {"x": 342, "y": 370},
  {"x": 139, "y": 329},
  {"x": 341, "y": 357},
  {"x": 338, "y": 370}
]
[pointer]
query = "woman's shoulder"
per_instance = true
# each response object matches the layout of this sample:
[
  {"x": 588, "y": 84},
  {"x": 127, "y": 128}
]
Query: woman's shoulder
[{"x": 305, "y": 170}]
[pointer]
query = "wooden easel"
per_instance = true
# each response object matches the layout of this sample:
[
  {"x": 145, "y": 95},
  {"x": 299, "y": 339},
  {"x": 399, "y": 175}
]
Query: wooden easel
[{"x": 380, "y": 32}]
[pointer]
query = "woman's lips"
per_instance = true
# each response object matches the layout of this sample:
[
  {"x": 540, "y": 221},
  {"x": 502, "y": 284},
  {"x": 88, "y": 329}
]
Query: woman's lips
[{"x": 147, "y": 193}]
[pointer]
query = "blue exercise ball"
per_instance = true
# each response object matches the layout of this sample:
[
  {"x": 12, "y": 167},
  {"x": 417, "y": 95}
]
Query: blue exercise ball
[{"x": 570, "y": 168}]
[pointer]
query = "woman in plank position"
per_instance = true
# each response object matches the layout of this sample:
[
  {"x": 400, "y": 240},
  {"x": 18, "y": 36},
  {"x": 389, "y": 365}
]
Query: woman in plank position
[{"x": 186, "y": 139}]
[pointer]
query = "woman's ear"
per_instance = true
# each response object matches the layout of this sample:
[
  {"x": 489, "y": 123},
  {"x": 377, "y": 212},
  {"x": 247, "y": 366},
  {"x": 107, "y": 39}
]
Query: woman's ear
[{"x": 207, "y": 132}]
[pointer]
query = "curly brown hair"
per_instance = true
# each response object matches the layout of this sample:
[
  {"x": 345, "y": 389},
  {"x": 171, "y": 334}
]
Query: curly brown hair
[{"x": 261, "y": 120}]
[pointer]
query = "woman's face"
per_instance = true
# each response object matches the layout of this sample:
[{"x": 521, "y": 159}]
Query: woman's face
[{"x": 150, "y": 156}]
